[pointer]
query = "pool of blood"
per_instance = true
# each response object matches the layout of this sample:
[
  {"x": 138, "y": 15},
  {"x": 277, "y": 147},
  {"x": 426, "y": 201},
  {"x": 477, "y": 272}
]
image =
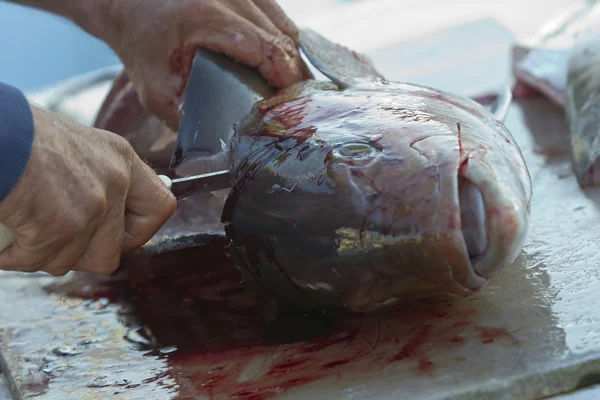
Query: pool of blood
[{"x": 222, "y": 340}]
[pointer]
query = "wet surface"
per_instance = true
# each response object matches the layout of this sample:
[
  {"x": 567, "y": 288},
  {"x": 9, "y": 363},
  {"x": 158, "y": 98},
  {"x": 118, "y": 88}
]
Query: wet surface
[
  {"x": 174, "y": 327},
  {"x": 181, "y": 327}
]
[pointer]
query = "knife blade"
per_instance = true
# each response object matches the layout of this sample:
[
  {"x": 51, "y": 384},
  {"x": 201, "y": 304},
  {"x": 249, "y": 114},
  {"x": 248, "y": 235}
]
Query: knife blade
[{"x": 210, "y": 182}]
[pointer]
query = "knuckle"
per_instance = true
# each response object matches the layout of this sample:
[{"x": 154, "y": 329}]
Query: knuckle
[
  {"x": 121, "y": 144},
  {"x": 96, "y": 205},
  {"x": 120, "y": 180}
]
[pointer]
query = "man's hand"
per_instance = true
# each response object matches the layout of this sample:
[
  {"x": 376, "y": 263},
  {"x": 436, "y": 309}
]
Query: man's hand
[
  {"x": 156, "y": 40},
  {"x": 84, "y": 197}
]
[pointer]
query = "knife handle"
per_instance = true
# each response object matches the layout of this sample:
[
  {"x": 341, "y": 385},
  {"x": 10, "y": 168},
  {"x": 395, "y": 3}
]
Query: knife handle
[
  {"x": 7, "y": 237},
  {"x": 166, "y": 180}
]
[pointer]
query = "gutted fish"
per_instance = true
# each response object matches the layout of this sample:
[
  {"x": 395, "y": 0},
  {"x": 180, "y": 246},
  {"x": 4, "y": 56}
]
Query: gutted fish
[
  {"x": 359, "y": 192},
  {"x": 563, "y": 64}
]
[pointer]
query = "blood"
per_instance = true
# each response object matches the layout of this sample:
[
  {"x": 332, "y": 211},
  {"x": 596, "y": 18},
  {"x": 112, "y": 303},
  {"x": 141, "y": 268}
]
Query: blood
[
  {"x": 489, "y": 334},
  {"x": 334, "y": 364},
  {"x": 551, "y": 153},
  {"x": 414, "y": 344},
  {"x": 175, "y": 61},
  {"x": 458, "y": 339},
  {"x": 291, "y": 364},
  {"x": 425, "y": 365},
  {"x": 523, "y": 91},
  {"x": 460, "y": 148},
  {"x": 232, "y": 342}
]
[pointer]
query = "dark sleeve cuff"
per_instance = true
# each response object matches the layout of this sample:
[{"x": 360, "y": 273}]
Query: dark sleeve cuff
[{"x": 16, "y": 137}]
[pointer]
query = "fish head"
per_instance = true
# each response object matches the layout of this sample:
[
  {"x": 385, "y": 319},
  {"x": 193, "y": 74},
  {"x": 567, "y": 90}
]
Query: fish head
[{"x": 377, "y": 193}]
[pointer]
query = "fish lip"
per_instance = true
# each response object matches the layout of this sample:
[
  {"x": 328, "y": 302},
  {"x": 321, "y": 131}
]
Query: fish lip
[{"x": 506, "y": 224}]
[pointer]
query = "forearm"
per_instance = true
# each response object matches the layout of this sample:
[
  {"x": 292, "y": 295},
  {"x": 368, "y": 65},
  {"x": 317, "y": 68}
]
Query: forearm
[
  {"x": 16, "y": 137},
  {"x": 88, "y": 14}
]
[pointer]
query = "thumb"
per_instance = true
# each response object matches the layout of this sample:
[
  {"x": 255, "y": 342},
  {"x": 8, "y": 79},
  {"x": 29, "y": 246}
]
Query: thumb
[{"x": 148, "y": 206}]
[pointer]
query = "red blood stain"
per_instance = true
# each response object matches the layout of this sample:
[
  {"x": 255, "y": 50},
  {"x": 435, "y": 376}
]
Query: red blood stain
[
  {"x": 180, "y": 62},
  {"x": 236, "y": 343},
  {"x": 523, "y": 91},
  {"x": 461, "y": 324},
  {"x": 414, "y": 344},
  {"x": 457, "y": 339},
  {"x": 489, "y": 334},
  {"x": 291, "y": 364},
  {"x": 336, "y": 363},
  {"x": 425, "y": 365},
  {"x": 175, "y": 61},
  {"x": 329, "y": 342},
  {"x": 551, "y": 153}
]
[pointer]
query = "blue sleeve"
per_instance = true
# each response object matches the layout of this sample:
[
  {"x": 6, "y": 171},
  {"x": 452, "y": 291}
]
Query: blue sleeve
[{"x": 16, "y": 137}]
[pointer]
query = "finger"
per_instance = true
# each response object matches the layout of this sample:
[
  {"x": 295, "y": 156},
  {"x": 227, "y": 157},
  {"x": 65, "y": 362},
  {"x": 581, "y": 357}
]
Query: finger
[
  {"x": 63, "y": 261},
  {"x": 278, "y": 17},
  {"x": 251, "y": 45},
  {"x": 18, "y": 258},
  {"x": 103, "y": 251},
  {"x": 276, "y": 14},
  {"x": 159, "y": 90},
  {"x": 55, "y": 258},
  {"x": 149, "y": 205},
  {"x": 278, "y": 66},
  {"x": 250, "y": 11}
]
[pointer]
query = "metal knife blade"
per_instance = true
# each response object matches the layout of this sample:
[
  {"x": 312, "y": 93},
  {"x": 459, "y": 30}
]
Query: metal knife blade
[{"x": 210, "y": 182}]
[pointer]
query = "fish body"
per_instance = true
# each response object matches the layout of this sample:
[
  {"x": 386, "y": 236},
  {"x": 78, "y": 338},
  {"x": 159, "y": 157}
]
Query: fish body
[{"x": 359, "y": 192}]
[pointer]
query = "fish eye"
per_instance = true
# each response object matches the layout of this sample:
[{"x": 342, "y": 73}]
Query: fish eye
[{"x": 355, "y": 151}]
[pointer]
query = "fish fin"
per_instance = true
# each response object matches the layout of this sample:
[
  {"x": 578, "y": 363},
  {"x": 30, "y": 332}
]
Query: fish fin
[
  {"x": 343, "y": 66},
  {"x": 219, "y": 93}
]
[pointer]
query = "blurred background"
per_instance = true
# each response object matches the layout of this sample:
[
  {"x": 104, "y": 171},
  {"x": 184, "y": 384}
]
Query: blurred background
[{"x": 38, "y": 48}]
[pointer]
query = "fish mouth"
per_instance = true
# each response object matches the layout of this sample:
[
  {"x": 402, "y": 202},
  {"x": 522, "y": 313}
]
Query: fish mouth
[
  {"x": 473, "y": 219},
  {"x": 493, "y": 222}
]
